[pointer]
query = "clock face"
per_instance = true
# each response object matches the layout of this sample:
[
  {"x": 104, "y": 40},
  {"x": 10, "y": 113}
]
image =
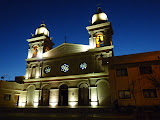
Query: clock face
[
  {"x": 47, "y": 69},
  {"x": 64, "y": 67},
  {"x": 83, "y": 65}
]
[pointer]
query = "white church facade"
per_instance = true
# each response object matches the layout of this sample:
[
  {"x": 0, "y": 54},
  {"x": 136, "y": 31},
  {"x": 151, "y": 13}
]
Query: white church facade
[{"x": 69, "y": 74}]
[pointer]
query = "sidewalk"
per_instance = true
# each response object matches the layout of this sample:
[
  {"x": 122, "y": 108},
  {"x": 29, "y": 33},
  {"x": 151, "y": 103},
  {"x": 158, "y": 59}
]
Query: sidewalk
[{"x": 81, "y": 113}]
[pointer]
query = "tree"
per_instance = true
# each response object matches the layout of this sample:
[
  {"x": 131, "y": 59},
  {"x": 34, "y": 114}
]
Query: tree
[
  {"x": 155, "y": 79},
  {"x": 132, "y": 90}
]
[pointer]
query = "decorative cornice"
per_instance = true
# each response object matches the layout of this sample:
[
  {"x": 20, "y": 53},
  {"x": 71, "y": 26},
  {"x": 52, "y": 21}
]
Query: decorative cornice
[
  {"x": 70, "y": 77},
  {"x": 89, "y": 28},
  {"x": 37, "y": 38}
]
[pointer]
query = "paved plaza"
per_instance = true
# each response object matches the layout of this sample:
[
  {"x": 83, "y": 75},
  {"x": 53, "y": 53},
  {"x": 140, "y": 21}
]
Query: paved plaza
[{"x": 80, "y": 113}]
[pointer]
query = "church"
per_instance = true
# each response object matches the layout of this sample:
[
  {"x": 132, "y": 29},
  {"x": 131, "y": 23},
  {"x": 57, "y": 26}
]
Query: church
[
  {"x": 69, "y": 74},
  {"x": 81, "y": 75}
]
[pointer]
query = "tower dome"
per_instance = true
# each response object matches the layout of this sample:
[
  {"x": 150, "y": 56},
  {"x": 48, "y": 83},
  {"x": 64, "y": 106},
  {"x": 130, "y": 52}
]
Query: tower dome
[
  {"x": 99, "y": 17},
  {"x": 42, "y": 30}
]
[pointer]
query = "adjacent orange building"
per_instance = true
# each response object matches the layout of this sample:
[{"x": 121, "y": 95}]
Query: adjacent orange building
[{"x": 134, "y": 79}]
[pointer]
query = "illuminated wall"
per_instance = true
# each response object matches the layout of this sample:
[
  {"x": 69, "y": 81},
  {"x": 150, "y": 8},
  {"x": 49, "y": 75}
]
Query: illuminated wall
[
  {"x": 36, "y": 98},
  {"x": 130, "y": 79},
  {"x": 30, "y": 95},
  {"x": 54, "y": 96},
  {"x": 73, "y": 96},
  {"x": 103, "y": 89},
  {"x": 94, "y": 97},
  {"x": 22, "y": 98}
]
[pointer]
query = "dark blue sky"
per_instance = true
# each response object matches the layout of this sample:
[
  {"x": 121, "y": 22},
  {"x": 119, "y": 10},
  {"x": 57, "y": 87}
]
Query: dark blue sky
[{"x": 136, "y": 25}]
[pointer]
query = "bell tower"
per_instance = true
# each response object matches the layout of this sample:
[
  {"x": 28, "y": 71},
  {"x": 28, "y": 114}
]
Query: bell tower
[
  {"x": 100, "y": 31},
  {"x": 39, "y": 43}
]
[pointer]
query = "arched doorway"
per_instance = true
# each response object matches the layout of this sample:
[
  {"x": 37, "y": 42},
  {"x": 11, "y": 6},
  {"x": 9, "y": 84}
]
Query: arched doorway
[
  {"x": 83, "y": 95},
  {"x": 103, "y": 89},
  {"x": 30, "y": 95},
  {"x": 45, "y": 96},
  {"x": 63, "y": 95}
]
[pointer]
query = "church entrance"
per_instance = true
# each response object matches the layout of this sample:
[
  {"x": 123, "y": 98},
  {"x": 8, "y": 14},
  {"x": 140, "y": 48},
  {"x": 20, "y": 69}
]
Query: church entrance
[
  {"x": 83, "y": 95},
  {"x": 45, "y": 96},
  {"x": 63, "y": 95}
]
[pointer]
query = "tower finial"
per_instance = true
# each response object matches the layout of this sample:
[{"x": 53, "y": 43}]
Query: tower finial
[
  {"x": 43, "y": 23},
  {"x": 98, "y": 5},
  {"x": 99, "y": 10}
]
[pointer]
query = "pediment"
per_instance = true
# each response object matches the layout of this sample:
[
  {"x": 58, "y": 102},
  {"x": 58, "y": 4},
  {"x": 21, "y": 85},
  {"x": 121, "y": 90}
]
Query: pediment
[{"x": 65, "y": 49}]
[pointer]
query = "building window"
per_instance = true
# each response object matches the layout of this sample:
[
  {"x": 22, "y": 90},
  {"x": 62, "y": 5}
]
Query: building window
[
  {"x": 7, "y": 97},
  {"x": 149, "y": 93},
  {"x": 35, "y": 51},
  {"x": 122, "y": 72},
  {"x": 99, "y": 40},
  {"x": 64, "y": 68},
  {"x": 47, "y": 69},
  {"x": 83, "y": 66},
  {"x": 124, "y": 94},
  {"x": 145, "y": 70}
]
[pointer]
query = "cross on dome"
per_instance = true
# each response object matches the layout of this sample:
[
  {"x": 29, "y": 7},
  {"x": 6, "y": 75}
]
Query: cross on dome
[{"x": 99, "y": 17}]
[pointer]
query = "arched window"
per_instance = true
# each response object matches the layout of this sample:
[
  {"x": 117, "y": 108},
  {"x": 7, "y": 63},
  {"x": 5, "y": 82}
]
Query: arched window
[
  {"x": 83, "y": 95},
  {"x": 99, "y": 40},
  {"x": 63, "y": 95},
  {"x": 35, "y": 51},
  {"x": 33, "y": 73},
  {"x": 45, "y": 96}
]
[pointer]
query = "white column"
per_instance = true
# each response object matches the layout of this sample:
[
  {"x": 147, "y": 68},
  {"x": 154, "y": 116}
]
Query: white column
[
  {"x": 36, "y": 98},
  {"x": 94, "y": 42},
  {"x": 40, "y": 69},
  {"x": 94, "y": 101},
  {"x": 26, "y": 76},
  {"x": 37, "y": 71},
  {"x": 30, "y": 51},
  {"x": 29, "y": 72}
]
